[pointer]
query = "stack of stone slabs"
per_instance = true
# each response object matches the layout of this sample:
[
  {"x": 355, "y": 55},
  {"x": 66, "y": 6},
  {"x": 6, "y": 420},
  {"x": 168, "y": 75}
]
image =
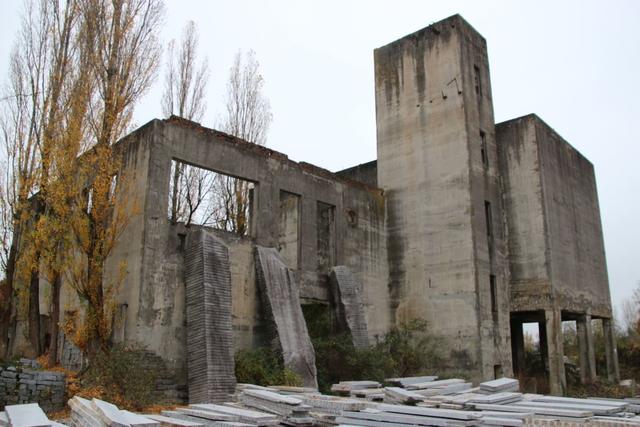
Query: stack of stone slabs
[
  {"x": 210, "y": 363},
  {"x": 281, "y": 303},
  {"x": 346, "y": 295}
]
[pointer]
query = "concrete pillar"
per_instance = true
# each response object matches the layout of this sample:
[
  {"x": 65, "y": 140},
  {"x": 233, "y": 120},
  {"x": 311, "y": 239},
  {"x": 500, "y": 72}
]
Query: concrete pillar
[
  {"x": 586, "y": 349},
  {"x": 517, "y": 347},
  {"x": 611, "y": 352},
  {"x": 557, "y": 379}
]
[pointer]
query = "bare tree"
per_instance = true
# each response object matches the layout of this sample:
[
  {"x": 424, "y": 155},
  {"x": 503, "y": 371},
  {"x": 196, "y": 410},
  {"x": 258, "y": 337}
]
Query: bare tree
[
  {"x": 184, "y": 95},
  {"x": 185, "y": 80},
  {"x": 248, "y": 110},
  {"x": 248, "y": 117}
]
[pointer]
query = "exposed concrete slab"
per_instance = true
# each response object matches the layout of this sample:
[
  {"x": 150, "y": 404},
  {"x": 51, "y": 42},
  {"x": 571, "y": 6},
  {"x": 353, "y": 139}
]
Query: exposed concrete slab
[
  {"x": 209, "y": 332},
  {"x": 346, "y": 294},
  {"x": 281, "y": 302}
]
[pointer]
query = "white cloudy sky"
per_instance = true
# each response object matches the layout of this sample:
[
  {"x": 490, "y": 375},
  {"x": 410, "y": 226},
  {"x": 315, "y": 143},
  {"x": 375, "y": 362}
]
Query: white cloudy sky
[{"x": 574, "y": 63}]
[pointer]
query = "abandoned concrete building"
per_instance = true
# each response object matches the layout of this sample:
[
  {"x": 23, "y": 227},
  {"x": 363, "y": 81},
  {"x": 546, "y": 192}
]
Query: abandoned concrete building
[{"x": 474, "y": 226}]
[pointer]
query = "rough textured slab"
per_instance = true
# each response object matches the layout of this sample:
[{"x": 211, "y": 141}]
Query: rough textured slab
[
  {"x": 345, "y": 290},
  {"x": 172, "y": 422},
  {"x": 404, "y": 381},
  {"x": 429, "y": 412},
  {"x": 210, "y": 363},
  {"x": 434, "y": 384},
  {"x": 281, "y": 301},
  {"x": 109, "y": 413},
  {"x": 136, "y": 420},
  {"x": 536, "y": 411},
  {"x": 27, "y": 415},
  {"x": 240, "y": 414},
  {"x": 4, "y": 421}
]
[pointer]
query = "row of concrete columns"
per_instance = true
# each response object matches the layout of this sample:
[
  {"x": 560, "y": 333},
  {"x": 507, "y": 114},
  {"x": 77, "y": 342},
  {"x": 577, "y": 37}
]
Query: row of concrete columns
[{"x": 551, "y": 346}]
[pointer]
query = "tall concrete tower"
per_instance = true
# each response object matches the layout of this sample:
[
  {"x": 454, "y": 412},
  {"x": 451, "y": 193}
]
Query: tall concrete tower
[{"x": 438, "y": 165}]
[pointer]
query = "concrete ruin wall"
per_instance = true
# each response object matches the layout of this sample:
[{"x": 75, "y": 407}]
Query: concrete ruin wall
[
  {"x": 437, "y": 163},
  {"x": 152, "y": 301},
  {"x": 555, "y": 234}
]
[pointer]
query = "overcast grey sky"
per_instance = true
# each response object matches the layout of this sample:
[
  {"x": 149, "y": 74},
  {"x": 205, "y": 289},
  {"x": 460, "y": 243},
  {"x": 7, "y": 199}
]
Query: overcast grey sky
[{"x": 574, "y": 63}]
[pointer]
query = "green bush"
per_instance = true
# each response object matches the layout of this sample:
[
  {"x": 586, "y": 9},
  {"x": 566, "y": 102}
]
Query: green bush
[
  {"x": 122, "y": 376},
  {"x": 404, "y": 351},
  {"x": 263, "y": 366}
]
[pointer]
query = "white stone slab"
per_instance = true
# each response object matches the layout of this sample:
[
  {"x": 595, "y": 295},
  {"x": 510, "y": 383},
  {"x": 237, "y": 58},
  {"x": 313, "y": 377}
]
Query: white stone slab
[
  {"x": 136, "y": 420},
  {"x": 172, "y": 422},
  {"x": 27, "y": 415},
  {"x": 109, "y": 413}
]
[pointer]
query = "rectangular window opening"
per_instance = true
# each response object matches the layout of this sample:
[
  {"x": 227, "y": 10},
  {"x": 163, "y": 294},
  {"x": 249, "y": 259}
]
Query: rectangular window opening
[
  {"x": 483, "y": 149},
  {"x": 289, "y": 231},
  {"x": 497, "y": 371},
  {"x": 199, "y": 196},
  {"x": 325, "y": 223},
  {"x": 488, "y": 219},
  {"x": 477, "y": 80},
  {"x": 494, "y": 295}
]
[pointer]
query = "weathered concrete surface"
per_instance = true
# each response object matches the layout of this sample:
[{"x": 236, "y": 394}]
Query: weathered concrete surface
[
  {"x": 210, "y": 364},
  {"x": 349, "y": 307},
  {"x": 556, "y": 248},
  {"x": 281, "y": 302},
  {"x": 437, "y": 178}
]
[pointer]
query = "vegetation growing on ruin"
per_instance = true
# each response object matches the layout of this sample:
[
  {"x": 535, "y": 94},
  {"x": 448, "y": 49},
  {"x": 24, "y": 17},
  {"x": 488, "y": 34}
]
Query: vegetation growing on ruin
[
  {"x": 406, "y": 350},
  {"x": 121, "y": 375},
  {"x": 264, "y": 366}
]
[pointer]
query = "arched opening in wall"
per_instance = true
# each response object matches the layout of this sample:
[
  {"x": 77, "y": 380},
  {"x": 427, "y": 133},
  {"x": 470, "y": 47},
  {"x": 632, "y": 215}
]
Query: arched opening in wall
[{"x": 200, "y": 196}]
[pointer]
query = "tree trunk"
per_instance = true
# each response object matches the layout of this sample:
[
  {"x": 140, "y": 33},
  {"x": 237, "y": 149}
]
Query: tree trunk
[
  {"x": 6, "y": 291},
  {"x": 34, "y": 311},
  {"x": 54, "y": 327}
]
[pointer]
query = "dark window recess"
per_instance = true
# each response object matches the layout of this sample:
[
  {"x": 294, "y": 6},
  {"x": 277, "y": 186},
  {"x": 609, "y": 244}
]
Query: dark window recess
[
  {"x": 325, "y": 224},
  {"x": 477, "y": 80},
  {"x": 487, "y": 216},
  {"x": 289, "y": 233},
  {"x": 497, "y": 371},
  {"x": 494, "y": 295},
  {"x": 483, "y": 149}
]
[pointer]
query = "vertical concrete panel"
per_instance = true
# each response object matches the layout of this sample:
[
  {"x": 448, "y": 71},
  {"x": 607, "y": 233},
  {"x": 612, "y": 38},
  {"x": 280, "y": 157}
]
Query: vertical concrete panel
[
  {"x": 210, "y": 364},
  {"x": 555, "y": 352},
  {"x": 281, "y": 303}
]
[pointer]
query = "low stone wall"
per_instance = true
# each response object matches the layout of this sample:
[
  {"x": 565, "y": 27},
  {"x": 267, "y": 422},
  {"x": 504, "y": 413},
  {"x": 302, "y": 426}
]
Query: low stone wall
[{"x": 24, "y": 384}]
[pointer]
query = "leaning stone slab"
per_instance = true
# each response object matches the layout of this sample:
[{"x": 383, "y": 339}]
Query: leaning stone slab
[
  {"x": 346, "y": 294},
  {"x": 280, "y": 298},
  {"x": 27, "y": 415},
  {"x": 4, "y": 421}
]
